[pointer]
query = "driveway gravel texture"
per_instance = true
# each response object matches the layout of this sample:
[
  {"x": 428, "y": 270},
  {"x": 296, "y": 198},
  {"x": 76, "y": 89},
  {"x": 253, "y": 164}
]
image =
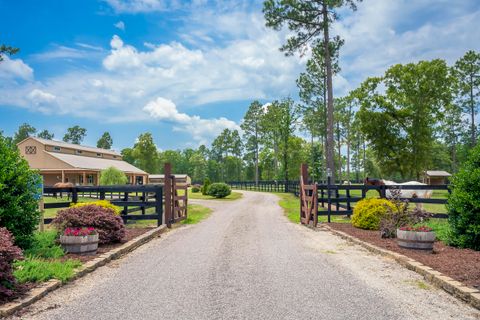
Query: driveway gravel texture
[{"x": 247, "y": 261}]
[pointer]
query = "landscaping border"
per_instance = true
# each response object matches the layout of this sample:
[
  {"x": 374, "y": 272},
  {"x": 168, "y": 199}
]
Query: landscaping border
[
  {"x": 43, "y": 289},
  {"x": 438, "y": 279}
]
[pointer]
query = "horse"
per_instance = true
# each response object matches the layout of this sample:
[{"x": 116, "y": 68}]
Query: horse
[
  {"x": 406, "y": 194},
  {"x": 63, "y": 185}
]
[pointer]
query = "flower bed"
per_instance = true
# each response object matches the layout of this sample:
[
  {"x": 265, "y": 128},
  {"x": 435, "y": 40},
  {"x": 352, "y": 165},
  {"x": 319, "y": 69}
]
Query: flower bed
[{"x": 460, "y": 264}]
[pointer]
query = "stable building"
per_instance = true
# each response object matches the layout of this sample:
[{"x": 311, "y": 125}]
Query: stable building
[
  {"x": 58, "y": 161},
  {"x": 436, "y": 177}
]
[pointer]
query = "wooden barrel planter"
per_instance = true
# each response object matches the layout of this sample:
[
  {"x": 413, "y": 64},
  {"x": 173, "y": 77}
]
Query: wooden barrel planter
[
  {"x": 418, "y": 240},
  {"x": 83, "y": 245}
]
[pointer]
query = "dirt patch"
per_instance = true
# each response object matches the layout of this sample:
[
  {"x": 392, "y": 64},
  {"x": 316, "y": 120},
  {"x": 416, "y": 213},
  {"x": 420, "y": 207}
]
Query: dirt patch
[{"x": 460, "y": 264}]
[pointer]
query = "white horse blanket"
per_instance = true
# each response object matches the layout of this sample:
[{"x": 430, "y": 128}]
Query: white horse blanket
[{"x": 407, "y": 194}]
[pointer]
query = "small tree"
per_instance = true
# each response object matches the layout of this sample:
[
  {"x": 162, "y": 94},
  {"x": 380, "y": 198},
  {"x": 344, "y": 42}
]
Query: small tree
[
  {"x": 112, "y": 176},
  {"x": 18, "y": 187},
  {"x": 463, "y": 205},
  {"x": 105, "y": 141}
]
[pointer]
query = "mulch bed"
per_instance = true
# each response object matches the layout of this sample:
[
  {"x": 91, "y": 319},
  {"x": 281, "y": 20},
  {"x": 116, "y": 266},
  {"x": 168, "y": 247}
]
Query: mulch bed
[{"x": 460, "y": 264}]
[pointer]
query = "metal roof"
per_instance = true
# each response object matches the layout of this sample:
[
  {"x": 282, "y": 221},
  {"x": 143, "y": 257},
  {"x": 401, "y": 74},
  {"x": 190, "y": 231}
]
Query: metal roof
[
  {"x": 63, "y": 144},
  {"x": 92, "y": 163},
  {"x": 438, "y": 173}
]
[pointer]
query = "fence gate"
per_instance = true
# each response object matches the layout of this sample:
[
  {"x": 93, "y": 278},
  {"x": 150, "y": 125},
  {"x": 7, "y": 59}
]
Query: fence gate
[
  {"x": 175, "y": 202},
  {"x": 308, "y": 199}
]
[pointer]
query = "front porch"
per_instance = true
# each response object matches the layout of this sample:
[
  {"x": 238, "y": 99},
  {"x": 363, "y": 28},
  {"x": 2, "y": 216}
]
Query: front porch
[{"x": 84, "y": 177}]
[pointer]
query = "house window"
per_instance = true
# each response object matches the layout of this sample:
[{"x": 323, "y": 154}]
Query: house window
[
  {"x": 99, "y": 154},
  {"x": 30, "y": 150},
  {"x": 78, "y": 151},
  {"x": 90, "y": 179},
  {"x": 80, "y": 178},
  {"x": 56, "y": 148},
  {"x": 114, "y": 157}
]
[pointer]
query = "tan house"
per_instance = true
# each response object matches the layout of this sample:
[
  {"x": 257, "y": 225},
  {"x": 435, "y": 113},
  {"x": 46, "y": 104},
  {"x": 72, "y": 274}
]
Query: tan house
[
  {"x": 59, "y": 161},
  {"x": 181, "y": 179}
]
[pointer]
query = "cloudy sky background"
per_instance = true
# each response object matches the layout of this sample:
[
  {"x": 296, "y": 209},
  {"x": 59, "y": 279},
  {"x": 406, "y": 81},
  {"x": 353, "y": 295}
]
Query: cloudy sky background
[{"x": 185, "y": 70}]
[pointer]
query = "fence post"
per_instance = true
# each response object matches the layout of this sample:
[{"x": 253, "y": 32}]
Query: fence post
[
  {"x": 329, "y": 197},
  {"x": 159, "y": 204},
  {"x": 168, "y": 194},
  {"x": 74, "y": 195}
]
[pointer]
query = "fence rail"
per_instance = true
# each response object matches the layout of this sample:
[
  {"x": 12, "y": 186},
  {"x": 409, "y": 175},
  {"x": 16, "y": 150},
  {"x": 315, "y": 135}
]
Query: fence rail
[
  {"x": 267, "y": 186},
  {"x": 137, "y": 198}
]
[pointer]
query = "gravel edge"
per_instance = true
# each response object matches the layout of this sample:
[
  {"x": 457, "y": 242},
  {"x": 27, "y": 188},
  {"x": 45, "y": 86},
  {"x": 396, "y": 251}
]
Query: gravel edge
[
  {"x": 451, "y": 286},
  {"x": 43, "y": 289}
]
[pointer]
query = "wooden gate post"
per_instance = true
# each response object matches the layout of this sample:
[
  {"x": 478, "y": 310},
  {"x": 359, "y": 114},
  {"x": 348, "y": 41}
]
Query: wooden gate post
[
  {"x": 168, "y": 194},
  {"x": 303, "y": 181}
]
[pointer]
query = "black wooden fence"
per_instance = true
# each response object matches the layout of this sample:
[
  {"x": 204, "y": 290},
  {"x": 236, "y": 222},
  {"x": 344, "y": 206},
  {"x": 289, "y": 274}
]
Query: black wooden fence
[
  {"x": 132, "y": 198},
  {"x": 267, "y": 186},
  {"x": 341, "y": 197}
]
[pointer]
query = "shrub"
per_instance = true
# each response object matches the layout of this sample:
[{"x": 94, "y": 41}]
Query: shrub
[
  {"x": 45, "y": 246},
  {"x": 196, "y": 189},
  {"x": 112, "y": 176},
  {"x": 400, "y": 216},
  {"x": 18, "y": 187},
  {"x": 101, "y": 203},
  {"x": 219, "y": 190},
  {"x": 109, "y": 226},
  {"x": 206, "y": 185},
  {"x": 368, "y": 212},
  {"x": 464, "y": 204},
  {"x": 8, "y": 253}
]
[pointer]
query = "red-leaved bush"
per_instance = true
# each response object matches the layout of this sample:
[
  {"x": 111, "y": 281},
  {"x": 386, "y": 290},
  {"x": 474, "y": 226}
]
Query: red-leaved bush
[
  {"x": 109, "y": 226},
  {"x": 8, "y": 253}
]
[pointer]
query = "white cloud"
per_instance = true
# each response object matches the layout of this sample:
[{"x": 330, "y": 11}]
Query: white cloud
[
  {"x": 15, "y": 69},
  {"x": 120, "y": 25},
  {"x": 202, "y": 130}
]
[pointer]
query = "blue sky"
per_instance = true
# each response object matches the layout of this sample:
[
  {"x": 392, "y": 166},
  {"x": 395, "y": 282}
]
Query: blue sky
[{"x": 185, "y": 70}]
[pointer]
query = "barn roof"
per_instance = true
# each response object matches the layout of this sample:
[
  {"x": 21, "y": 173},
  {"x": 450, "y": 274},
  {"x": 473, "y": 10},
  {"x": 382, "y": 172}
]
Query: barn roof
[
  {"x": 437, "y": 173},
  {"x": 63, "y": 144},
  {"x": 92, "y": 163}
]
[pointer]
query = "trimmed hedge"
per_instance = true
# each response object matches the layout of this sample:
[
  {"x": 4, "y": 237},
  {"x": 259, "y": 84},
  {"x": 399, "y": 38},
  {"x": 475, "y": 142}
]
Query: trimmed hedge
[
  {"x": 101, "y": 203},
  {"x": 108, "y": 224},
  {"x": 368, "y": 213},
  {"x": 219, "y": 190}
]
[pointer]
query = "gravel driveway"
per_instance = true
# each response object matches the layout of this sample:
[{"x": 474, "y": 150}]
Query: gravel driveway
[{"x": 248, "y": 262}]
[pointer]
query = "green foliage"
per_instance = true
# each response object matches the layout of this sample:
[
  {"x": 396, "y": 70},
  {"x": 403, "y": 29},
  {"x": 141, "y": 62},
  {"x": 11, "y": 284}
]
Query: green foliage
[
  {"x": 24, "y": 131},
  {"x": 112, "y": 176},
  {"x": 464, "y": 204},
  {"x": 45, "y": 134},
  {"x": 146, "y": 154},
  {"x": 41, "y": 270},
  {"x": 196, "y": 189},
  {"x": 399, "y": 112},
  {"x": 105, "y": 141},
  {"x": 4, "y": 49},
  {"x": 219, "y": 190},
  {"x": 368, "y": 213},
  {"x": 100, "y": 203},
  {"x": 206, "y": 185},
  {"x": 18, "y": 186},
  {"x": 75, "y": 135},
  {"x": 45, "y": 246}
]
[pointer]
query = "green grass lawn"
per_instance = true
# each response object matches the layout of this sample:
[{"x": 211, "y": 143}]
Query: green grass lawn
[
  {"x": 198, "y": 195},
  {"x": 196, "y": 213},
  {"x": 43, "y": 261}
]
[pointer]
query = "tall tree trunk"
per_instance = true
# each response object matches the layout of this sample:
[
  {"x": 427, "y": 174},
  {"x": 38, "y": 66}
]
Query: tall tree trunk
[
  {"x": 328, "y": 64},
  {"x": 472, "y": 110},
  {"x": 348, "y": 154},
  {"x": 256, "y": 156},
  {"x": 364, "y": 158},
  {"x": 339, "y": 145}
]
